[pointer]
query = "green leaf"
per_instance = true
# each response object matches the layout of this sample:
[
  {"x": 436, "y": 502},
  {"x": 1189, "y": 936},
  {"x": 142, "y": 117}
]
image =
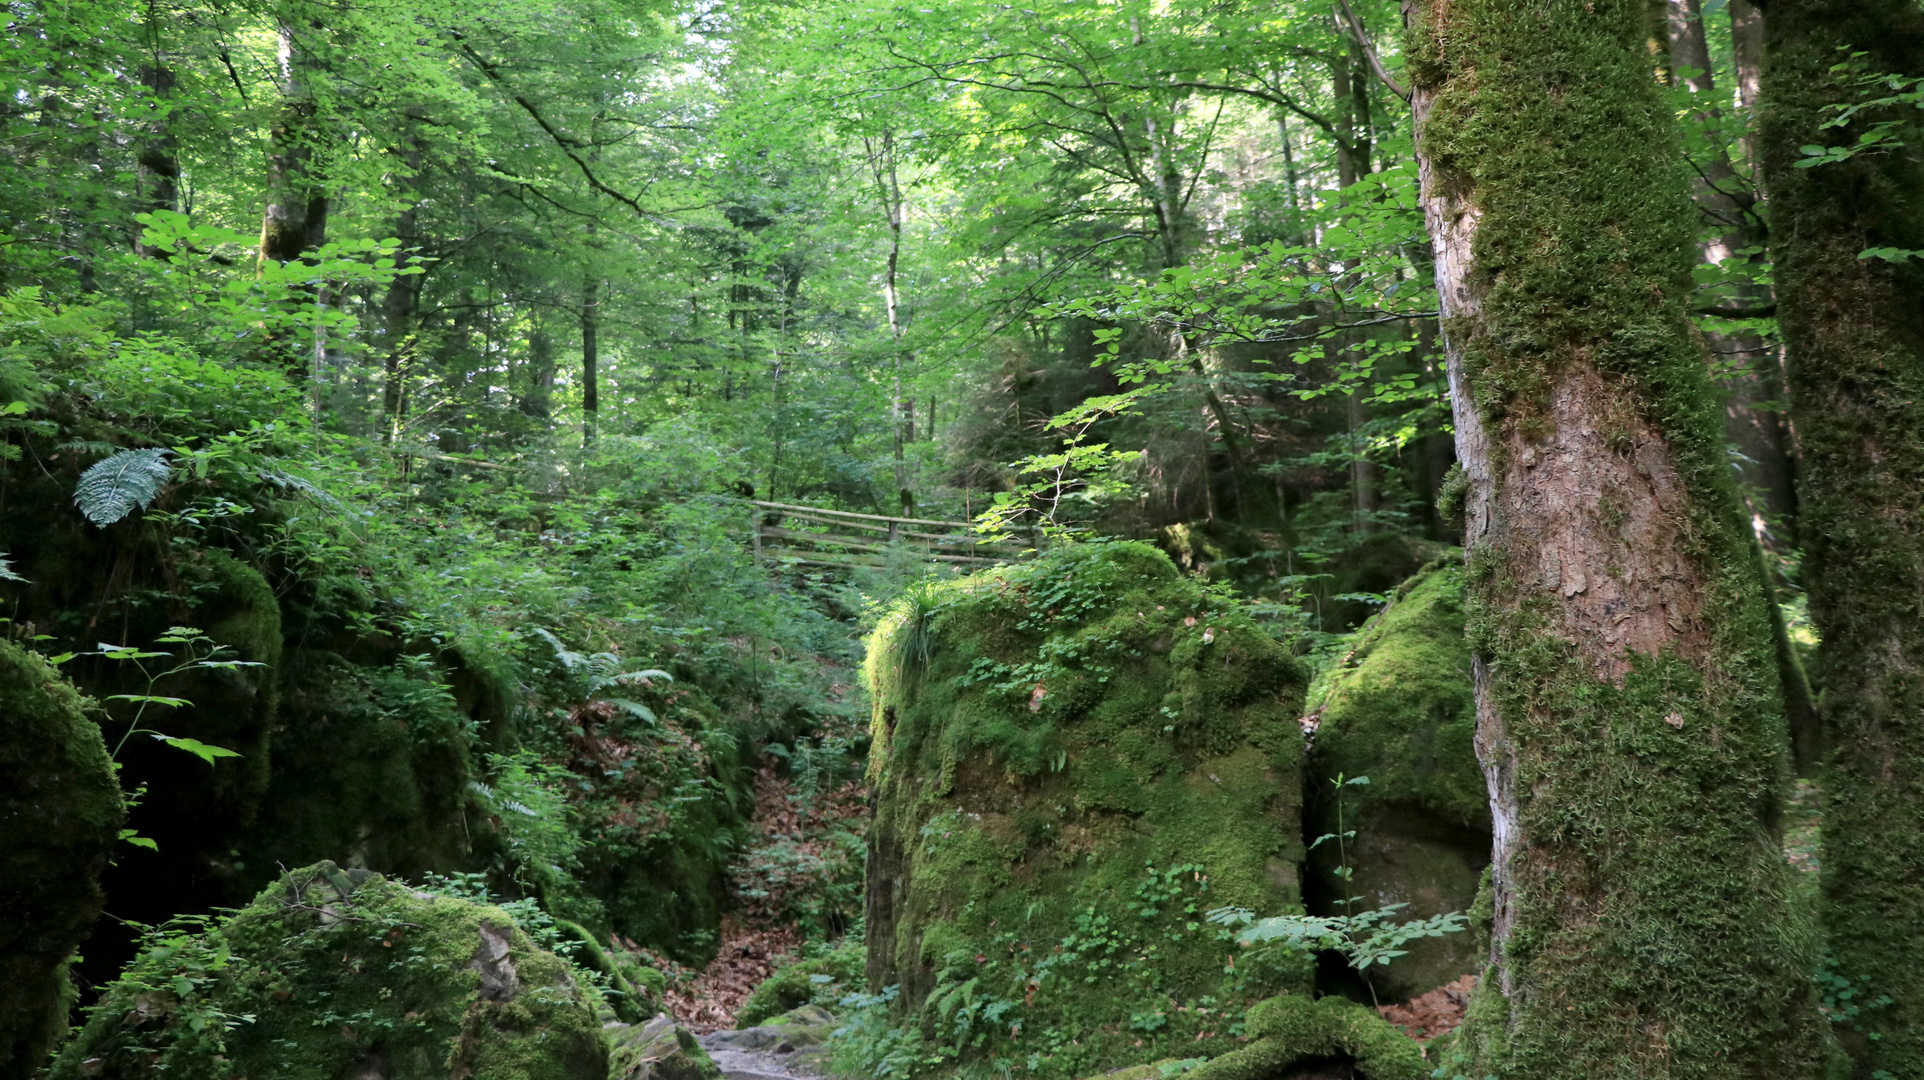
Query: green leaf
[{"x": 199, "y": 749}]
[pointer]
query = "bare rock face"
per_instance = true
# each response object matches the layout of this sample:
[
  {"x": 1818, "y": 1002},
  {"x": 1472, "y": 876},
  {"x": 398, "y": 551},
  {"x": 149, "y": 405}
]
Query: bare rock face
[
  {"x": 332, "y": 973},
  {"x": 60, "y": 810}
]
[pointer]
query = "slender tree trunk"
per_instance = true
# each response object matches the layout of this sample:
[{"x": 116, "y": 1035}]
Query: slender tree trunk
[
  {"x": 539, "y": 402},
  {"x": 1726, "y": 202},
  {"x": 590, "y": 357},
  {"x": 1854, "y": 334},
  {"x": 295, "y": 220},
  {"x": 403, "y": 293},
  {"x": 1747, "y": 56},
  {"x": 1629, "y": 719},
  {"x": 888, "y": 187},
  {"x": 157, "y": 153}
]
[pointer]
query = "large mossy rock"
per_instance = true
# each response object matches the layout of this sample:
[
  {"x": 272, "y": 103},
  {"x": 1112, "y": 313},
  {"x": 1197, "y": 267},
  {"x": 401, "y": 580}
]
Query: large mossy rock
[
  {"x": 1398, "y": 709},
  {"x": 1074, "y": 759},
  {"x": 333, "y": 974},
  {"x": 60, "y": 811}
]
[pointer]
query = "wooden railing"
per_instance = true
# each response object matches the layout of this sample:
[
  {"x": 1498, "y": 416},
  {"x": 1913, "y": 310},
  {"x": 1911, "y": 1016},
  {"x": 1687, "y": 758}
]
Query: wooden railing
[{"x": 810, "y": 535}]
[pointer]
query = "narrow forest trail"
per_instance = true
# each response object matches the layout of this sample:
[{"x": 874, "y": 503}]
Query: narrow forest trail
[{"x": 762, "y": 1053}]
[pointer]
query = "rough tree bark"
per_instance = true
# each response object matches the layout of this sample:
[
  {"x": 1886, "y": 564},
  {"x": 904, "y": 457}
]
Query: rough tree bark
[
  {"x": 1854, "y": 333},
  {"x": 1629, "y": 718}
]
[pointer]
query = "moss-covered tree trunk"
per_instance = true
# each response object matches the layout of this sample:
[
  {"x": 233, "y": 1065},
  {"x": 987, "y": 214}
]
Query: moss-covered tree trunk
[
  {"x": 1854, "y": 329},
  {"x": 1629, "y": 720}
]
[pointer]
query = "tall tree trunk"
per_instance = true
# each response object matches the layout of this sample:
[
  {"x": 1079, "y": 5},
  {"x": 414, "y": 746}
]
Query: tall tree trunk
[
  {"x": 888, "y": 189},
  {"x": 590, "y": 357},
  {"x": 295, "y": 220},
  {"x": 1747, "y": 57},
  {"x": 1629, "y": 719},
  {"x": 403, "y": 293},
  {"x": 1726, "y": 202},
  {"x": 1854, "y": 333},
  {"x": 157, "y": 152},
  {"x": 538, "y": 402}
]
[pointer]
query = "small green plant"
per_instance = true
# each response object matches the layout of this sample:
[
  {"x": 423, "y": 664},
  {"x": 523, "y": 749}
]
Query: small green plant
[
  {"x": 1364, "y": 938},
  {"x": 198, "y": 652}
]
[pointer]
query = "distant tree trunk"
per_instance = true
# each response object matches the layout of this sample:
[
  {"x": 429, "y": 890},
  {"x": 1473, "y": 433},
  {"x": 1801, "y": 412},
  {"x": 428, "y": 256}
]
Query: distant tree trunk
[
  {"x": 157, "y": 151},
  {"x": 295, "y": 220},
  {"x": 1629, "y": 719},
  {"x": 403, "y": 293},
  {"x": 1747, "y": 57},
  {"x": 1854, "y": 335},
  {"x": 590, "y": 358},
  {"x": 888, "y": 189},
  {"x": 539, "y": 401},
  {"x": 1753, "y": 388}
]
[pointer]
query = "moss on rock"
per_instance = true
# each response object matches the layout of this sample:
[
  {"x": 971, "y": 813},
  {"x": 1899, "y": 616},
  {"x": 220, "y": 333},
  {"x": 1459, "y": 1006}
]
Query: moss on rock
[
  {"x": 333, "y": 973},
  {"x": 1074, "y": 759},
  {"x": 1399, "y": 709},
  {"x": 60, "y": 810},
  {"x": 797, "y": 984}
]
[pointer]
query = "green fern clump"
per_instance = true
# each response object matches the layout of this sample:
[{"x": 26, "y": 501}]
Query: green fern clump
[{"x": 130, "y": 480}]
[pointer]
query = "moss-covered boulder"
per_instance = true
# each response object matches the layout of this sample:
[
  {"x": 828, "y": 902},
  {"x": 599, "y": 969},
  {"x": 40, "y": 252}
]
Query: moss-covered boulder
[
  {"x": 60, "y": 810},
  {"x": 1398, "y": 709},
  {"x": 657, "y": 1050},
  {"x": 1074, "y": 760},
  {"x": 331, "y": 974}
]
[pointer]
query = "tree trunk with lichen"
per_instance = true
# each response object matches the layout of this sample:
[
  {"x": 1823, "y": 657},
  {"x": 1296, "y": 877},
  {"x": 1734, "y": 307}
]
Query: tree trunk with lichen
[
  {"x": 1629, "y": 718},
  {"x": 1854, "y": 331}
]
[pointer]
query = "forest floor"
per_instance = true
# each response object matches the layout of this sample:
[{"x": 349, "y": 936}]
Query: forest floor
[{"x": 792, "y": 851}]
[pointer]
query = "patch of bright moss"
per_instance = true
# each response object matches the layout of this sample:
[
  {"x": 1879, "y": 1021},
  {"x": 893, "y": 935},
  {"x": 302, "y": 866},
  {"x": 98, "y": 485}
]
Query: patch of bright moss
[
  {"x": 332, "y": 973},
  {"x": 1074, "y": 760},
  {"x": 60, "y": 810}
]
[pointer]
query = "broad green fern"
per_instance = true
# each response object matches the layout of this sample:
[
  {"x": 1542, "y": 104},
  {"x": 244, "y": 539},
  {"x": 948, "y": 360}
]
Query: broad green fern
[{"x": 113, "y": 488}]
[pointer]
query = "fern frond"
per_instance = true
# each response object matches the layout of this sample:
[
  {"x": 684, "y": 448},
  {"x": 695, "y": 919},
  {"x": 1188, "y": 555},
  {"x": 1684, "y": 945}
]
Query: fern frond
[
  {"x": 6, "y": 570},
  {"x": 300, "y": 485},
  {"x": 113, "y": 488}
]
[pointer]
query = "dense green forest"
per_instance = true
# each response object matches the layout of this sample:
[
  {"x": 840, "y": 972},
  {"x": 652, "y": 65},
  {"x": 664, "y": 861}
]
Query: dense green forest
[{"x": 671, "y": 539}]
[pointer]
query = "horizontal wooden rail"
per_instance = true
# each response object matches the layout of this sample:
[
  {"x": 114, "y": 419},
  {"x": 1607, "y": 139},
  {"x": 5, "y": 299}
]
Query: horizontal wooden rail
[{"x": 849, "y": 538}]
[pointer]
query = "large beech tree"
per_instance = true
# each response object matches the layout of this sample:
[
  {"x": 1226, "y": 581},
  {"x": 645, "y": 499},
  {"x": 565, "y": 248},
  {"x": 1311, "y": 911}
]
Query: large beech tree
[
  {"x": 1629, "y": 717},
  {"x": 1853, "y": 328}
]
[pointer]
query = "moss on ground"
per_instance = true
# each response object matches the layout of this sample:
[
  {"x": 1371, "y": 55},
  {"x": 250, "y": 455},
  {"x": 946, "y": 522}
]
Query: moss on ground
[
  {"x": 1075, "y": 759},
  {"x": 332, "y": 973},
  {"x": 60, "y": 811},
  {"x": 818, "y": 980},
  {"x": 1398, "y": 708},
  {"x": 1293, "y": 1032}
]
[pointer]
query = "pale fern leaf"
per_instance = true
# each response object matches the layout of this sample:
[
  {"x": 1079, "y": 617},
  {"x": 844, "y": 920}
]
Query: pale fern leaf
[{"x": 113, "y": 488}]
